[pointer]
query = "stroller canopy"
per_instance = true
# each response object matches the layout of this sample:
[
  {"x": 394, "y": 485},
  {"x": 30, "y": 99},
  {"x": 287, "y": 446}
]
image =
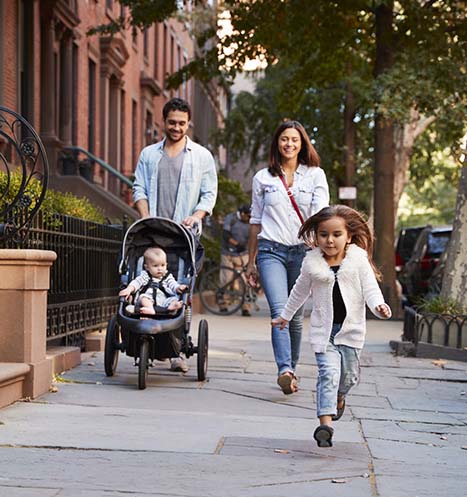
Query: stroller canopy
[{"x": 162, "y": 232}]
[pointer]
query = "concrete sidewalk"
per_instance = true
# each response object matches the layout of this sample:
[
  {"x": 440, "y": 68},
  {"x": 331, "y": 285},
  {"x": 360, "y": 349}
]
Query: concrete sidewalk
[{"x": 404, "y": 433}]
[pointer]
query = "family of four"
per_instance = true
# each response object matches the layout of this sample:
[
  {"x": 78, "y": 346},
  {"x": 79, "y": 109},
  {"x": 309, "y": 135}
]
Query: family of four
[{"x": 299, "y": 247}]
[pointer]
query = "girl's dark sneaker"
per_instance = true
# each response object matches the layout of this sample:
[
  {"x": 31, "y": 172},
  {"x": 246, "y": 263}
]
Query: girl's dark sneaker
[{"x": 323, "y": 435}]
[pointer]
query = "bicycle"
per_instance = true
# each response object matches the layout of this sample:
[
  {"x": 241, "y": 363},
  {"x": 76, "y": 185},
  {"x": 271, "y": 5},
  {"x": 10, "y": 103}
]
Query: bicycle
[{"x": 229, "y": 297}]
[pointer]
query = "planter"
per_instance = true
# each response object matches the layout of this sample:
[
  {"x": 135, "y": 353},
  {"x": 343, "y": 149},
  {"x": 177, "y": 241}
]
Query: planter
[
  {"x": 86, "y": 169},
  {"x": 69, "y": 165}
]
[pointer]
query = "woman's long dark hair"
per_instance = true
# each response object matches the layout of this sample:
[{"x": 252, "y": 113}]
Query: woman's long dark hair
[
  {"x": 355, "y": 223},
  {"x": 307, "y": 155}
]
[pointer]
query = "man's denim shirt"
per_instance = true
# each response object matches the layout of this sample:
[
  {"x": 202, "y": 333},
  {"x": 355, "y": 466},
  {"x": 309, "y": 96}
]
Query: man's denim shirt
[{"x": 198, "y": 180}]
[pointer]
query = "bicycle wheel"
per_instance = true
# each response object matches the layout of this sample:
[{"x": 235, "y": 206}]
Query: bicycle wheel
[{"x": 222, "y": 293}]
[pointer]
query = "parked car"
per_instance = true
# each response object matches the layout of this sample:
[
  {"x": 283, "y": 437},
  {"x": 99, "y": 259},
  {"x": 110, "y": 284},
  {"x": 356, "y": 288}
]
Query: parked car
[
  {"x": 429, "y": 246},
  {"x": 404, "y": 245}
]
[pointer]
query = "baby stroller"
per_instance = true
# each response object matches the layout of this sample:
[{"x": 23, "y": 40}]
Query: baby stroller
[{"x": 165, "y": 334}]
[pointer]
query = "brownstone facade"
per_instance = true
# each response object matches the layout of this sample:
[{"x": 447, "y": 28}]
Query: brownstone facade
[{"x": 103, "y": 94}]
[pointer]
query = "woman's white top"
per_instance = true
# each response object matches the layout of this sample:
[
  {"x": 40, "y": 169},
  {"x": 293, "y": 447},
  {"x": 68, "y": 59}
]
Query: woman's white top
[
  {"x": 272, "y": 208},
  {"x": 358, "y": 286}
]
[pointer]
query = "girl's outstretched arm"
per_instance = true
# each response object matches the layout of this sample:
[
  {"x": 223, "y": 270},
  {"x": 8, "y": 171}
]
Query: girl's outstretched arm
[
  {"x": 384, "y": 310},
  {"x": 372, "y": 292}
]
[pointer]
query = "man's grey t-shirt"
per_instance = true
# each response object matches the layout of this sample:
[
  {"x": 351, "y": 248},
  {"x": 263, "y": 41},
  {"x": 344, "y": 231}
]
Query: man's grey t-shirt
[{"x": 168, "y": 180}]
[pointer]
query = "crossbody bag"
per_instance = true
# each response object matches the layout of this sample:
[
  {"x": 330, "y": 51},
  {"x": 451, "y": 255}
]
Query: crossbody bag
[{"x": 292, "y": 199}]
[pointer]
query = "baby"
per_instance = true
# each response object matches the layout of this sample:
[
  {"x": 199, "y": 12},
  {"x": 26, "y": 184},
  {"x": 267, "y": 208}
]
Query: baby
[{"x": 161, "y": 288}]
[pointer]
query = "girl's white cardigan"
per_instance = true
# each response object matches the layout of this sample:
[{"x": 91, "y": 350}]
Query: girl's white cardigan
[{"x": 358, "y": 285}]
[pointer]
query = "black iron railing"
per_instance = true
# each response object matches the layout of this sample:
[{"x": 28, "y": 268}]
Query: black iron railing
[
  {"x": 442, "y": 329},
  {"x": 83, "y": 280},
  {"x": 24, "y": 172}
]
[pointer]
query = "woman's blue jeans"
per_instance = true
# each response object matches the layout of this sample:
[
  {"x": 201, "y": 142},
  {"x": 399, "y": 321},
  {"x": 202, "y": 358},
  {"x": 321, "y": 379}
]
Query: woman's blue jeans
[
  {"x": 279, "y": 266},
  {"x": 338, "y": 372}
]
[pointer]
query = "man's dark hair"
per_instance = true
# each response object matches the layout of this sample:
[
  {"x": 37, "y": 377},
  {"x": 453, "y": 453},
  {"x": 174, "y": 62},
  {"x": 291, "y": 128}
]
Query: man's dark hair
[{"x": 176, "y": 104}]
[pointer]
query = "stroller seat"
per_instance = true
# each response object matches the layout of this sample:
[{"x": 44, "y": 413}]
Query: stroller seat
[{"x": 175, "y": 266}]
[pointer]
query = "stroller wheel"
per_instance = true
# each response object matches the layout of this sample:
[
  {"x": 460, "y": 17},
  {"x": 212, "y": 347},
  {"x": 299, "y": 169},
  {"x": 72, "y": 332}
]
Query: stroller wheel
[
  {"x": 143, "y": 364},
  {"x": 202, "y": 350},
  {"x": 112, "y": 339}
]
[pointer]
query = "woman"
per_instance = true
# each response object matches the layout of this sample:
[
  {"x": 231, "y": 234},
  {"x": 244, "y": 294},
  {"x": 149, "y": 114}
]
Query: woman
[{"x": 273, "y": 242}]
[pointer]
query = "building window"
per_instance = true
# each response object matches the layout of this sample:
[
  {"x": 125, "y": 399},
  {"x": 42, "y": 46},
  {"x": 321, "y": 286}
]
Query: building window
[
  {"x": 179, "y": 60},
  {"x": 134, "y": 134},
  {"x": 149, "y": 128},
  {"x": 122, "y": 130},
  {"x": 165, "y": 68},
  {"x": 26, "y": 63},
  {"x": 92, "y": 107},
  {"x": 156, "y": 52},
  {"x": 74, "y": 94},
  {"x": 145, "y": 43}
]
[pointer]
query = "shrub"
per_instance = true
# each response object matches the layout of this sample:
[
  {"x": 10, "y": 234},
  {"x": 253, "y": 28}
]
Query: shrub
[
  {"x": 441, "y": 305},
  {"x": 54, "y": 202}
]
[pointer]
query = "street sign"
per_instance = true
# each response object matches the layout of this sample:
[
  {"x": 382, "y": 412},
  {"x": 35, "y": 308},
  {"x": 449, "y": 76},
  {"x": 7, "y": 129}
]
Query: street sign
[{"x": 347, "y": 192}]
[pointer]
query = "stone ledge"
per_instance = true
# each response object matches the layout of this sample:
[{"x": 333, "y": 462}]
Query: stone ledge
[
  {"x": 12, "y": 377},
  {"x": 64, "y": 358},
  {"x": 95, "y": 342}
]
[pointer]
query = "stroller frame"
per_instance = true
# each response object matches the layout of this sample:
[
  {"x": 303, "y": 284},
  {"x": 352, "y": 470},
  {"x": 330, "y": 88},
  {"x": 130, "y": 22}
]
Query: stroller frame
[{"x": 164, "y": 335}]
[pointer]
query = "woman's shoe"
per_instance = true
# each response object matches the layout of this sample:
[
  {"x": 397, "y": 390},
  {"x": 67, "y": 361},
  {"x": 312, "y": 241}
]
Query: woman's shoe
[
  {"x": 340, "y": 410},
  {"x": 323, "y": 435},
  {"x": 288, "y": 382}
]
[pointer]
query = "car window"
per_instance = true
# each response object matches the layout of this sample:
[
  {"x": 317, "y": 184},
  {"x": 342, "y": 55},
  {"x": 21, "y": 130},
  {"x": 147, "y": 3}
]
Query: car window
[
  {"x": 437, "y": 242},
  {"x": 407, "y": 240}
]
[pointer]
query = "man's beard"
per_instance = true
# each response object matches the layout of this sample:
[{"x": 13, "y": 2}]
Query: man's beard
[{"x": 176, "y": 139}]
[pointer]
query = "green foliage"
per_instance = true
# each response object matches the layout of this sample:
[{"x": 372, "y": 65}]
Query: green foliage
[
  {"x": 230, "y": 196},
  {"x": 54, "y": 202},
  {"x": 142, "y": 13},
  {"x": 430, "y": 196},
  {"x": 442, "y": 305}
]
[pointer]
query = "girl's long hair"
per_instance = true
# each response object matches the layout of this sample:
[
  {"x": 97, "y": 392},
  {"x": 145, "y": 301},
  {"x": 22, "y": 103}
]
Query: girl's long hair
[
  {"x": 355, "y": 224},
  {"x": 307, "y": 155}
]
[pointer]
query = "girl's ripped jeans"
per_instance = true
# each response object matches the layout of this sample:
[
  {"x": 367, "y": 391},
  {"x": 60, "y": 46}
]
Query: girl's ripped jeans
[{"x": 338, "y": 372}]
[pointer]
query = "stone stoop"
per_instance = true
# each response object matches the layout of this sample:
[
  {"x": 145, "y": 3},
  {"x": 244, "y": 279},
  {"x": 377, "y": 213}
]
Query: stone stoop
[
  {"x": 13, "y": 376},
  {"x": 95, "y": 342},
  {"x": 63, "y": 358}
]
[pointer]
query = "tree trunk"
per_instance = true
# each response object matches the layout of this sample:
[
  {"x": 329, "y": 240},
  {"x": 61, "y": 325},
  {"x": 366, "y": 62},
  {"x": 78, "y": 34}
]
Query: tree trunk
[
  {"x": 385, "y": 164},
  {"x": 454, "y": 284},
  {"x": 350, "y": 132},
  {"x": 404, "y": 139}
]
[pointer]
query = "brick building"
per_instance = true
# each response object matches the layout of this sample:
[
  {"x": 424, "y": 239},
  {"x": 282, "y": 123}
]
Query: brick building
[{"x": 103, "y": 94}]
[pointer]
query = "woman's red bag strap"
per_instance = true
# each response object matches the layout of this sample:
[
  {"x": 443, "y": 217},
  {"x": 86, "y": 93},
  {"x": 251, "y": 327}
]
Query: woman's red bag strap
[{"x": 292, "y": 199}]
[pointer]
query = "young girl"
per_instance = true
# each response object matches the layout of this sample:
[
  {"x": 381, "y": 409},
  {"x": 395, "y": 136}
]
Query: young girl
[{"x": 340, "y": 277}]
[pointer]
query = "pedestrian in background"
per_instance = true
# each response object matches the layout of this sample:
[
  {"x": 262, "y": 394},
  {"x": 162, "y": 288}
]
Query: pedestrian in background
[
  {"x": 234, "y": 252},
  {"x": 176, "y": 178},
  {"x": 340, "y": 277},
  {"x": 293, "y": 187}
]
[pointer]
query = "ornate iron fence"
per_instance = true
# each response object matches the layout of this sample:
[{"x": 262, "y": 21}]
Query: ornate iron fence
[
  {"x": 84, "y": 279},
  {"x": 436, "y": 335},
  {"x": 24, "y": 172}
]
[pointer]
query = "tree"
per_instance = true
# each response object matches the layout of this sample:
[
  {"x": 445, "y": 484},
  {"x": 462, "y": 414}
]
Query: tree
[{"x": 455, "y": 273}]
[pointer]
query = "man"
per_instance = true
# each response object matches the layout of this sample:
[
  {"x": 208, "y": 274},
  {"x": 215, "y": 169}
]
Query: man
[
  {"x": 176, "y": 178},
  {"x": 234, "y": 254}
]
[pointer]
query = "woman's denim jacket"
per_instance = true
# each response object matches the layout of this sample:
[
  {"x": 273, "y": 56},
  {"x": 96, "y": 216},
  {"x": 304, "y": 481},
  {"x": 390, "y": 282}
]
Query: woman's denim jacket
[{"x": 198, "y": 180}]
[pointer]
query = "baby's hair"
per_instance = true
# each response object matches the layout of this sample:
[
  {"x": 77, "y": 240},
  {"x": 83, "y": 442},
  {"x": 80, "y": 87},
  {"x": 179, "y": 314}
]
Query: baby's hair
[
  {"x": 355, "y": 223},
  {"x": 153, "y": 252}
]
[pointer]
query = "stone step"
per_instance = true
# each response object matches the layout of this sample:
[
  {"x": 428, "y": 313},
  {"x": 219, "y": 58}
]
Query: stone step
[{"x": 12, "y": 378}]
